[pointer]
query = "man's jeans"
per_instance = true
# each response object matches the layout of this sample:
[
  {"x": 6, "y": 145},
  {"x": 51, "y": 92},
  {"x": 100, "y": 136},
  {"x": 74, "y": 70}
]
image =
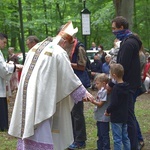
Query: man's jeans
[{"x": 120, "y": 136}]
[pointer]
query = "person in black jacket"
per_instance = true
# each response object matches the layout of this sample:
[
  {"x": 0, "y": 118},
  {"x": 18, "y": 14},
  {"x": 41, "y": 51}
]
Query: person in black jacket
[
  {"x": 118, "y": 108},
  {"x": 128, "y": 57},
  {"x": 96, "y": 66}
]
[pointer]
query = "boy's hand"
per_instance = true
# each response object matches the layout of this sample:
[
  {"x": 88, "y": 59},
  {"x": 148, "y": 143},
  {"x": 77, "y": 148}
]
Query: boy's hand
[
  {"x": 109, "y": 89},
  {"x": 106, "y": 114}
]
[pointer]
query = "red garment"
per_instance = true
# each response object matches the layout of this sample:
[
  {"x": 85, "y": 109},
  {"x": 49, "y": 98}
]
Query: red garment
[
  {"x": 19, "y": 75},
  {"x": 146, "y": 68},
  {"x": 73, "y": 49}
]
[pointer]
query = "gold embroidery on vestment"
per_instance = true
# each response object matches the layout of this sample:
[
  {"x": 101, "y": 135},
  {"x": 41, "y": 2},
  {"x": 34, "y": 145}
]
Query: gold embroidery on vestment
[
  {"x": 34, "y": 49},
  {"x": 28, "y": 75},
  {"x": 55, "y": 131},
  {"x": 48, "y": 53}
]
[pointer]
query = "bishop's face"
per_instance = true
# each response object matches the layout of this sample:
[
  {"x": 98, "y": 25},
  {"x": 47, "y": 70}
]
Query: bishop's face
[{"x": 66, "y": 46}]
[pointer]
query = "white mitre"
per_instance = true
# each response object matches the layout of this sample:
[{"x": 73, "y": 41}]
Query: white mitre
[{"x": 67, "y": 33}]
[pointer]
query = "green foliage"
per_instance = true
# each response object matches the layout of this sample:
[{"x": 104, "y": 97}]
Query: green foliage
[
  {"x": 45, "y": 17},
  {"x": 101, "y": 25},
  {"x": 142, "y": 21}
]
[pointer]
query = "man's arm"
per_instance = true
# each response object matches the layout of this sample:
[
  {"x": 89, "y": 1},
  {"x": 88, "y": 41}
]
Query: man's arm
[
  {"x": 77, "y": 66},
  {"x": 127, "y": 53},
  {"x": 81, "y": 63},
  {"x": 114, "y": 102}
]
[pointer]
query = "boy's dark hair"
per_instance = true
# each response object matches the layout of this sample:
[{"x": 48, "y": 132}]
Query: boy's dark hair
[
  {"x": 2, "y": 36},
  {"x": 121, "y": 21}
]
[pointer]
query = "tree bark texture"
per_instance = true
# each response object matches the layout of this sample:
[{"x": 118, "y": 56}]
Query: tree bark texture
[{"x": 125, "y": 8}]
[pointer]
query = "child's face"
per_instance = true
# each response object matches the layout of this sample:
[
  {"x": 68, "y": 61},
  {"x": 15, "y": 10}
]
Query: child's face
[{"x": 99, "y": 84}]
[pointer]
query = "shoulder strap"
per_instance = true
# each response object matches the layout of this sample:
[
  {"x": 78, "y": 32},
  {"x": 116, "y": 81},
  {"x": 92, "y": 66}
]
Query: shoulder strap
[
  {"x": 88, "y": 63},
  {"x": 79, "y": 44}
]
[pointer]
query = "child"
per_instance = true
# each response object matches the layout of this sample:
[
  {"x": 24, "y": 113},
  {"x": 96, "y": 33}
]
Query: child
[
  {"x": 101, "y": 103},
  {"x": 118, "y": 108}
]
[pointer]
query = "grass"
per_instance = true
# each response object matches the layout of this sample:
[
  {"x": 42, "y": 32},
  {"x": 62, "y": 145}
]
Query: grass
[{"x": 142, "y": 113}]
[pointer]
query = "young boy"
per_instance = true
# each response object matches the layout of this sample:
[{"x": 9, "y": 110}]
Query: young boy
[
  {"x": 118, "y": 108},
  {"x": 101, "y": 103}
]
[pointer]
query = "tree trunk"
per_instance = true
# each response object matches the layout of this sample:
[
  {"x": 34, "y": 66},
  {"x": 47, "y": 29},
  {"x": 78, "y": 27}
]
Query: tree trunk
[
  {"x": 125, "y": 8},
  {"x": 45, "y": 14}
]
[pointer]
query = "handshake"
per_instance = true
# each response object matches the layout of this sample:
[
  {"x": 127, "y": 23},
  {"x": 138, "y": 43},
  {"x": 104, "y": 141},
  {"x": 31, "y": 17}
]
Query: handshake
[
  {"x": 18, "y": 66},
  {"x": 88, "y": 97}
]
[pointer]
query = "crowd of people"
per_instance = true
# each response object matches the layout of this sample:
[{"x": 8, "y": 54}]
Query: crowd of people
[
  {"x": 53, "y": 85},
  {"x": 136, "y": 72}
]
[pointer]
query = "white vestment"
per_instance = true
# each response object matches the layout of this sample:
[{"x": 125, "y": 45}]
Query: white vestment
[{"x": 43, "y": 103}]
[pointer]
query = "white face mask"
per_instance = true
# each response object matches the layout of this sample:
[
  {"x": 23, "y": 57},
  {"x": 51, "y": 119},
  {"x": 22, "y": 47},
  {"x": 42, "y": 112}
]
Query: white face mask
[{"x": 99, "y": 49}]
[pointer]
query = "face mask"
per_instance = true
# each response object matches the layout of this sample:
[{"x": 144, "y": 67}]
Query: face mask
[
  {"x": 121, "y": 34},
  {"x": 99, "y": 49},
  {"x": 118, "y": 33}
]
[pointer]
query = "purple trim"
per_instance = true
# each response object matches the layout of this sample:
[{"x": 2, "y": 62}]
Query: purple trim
[
  {"x": 32, "y": 145},
  {"x": 78, "y": 94}
]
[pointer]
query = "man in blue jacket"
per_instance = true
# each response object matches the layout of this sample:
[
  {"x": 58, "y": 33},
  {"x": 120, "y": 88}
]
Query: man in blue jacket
[{"x": 78, "y": 62}]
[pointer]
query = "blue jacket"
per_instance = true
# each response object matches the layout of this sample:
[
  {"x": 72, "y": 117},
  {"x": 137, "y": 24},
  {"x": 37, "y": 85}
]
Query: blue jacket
[{"x": 82, "y": 75}]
